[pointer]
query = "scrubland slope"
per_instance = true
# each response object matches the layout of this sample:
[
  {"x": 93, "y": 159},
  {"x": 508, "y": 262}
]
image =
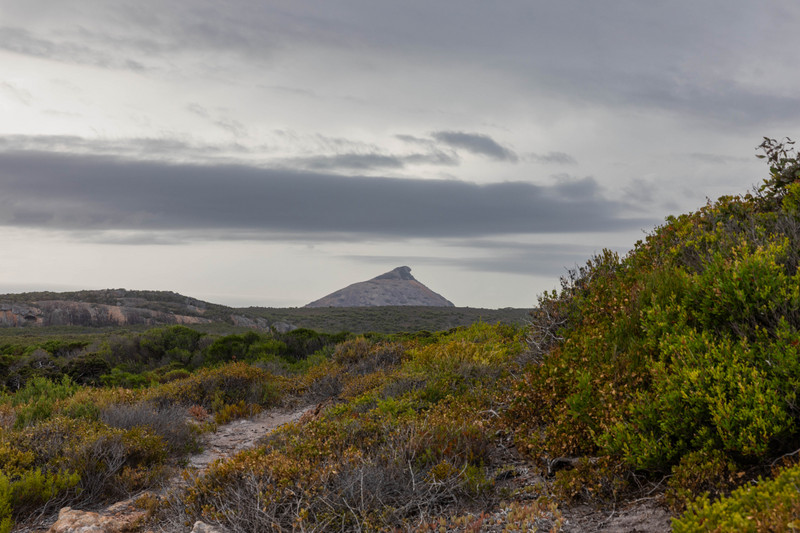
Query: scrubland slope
[{"x": 669, "y": 377}]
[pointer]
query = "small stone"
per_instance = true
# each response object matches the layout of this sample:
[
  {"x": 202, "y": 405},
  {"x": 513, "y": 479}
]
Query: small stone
[{"x": 202, "y": 527}]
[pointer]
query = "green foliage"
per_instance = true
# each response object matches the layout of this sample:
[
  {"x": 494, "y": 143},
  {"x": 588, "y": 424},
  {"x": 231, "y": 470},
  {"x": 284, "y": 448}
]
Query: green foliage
[
  {"x": 121, "y": 378},
  {"x": 682, "y": 357},
  {"x": 215, "y": 387},
  {"x": 87, "y": 368},
  {"x": 6, "y": 521},
  {"x": 784, "y": 167},
  {"x": 768, "y": 505},
  {"x": 389, "y": 455},
  {"x": 230, "y": 412},
  {"x": 709, "y": 474},
  {"x": 37, "y": 400},
  {"x": 35, "y": 488}
]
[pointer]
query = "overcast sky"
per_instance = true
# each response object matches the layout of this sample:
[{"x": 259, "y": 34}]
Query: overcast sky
[{"x": 258, "y": 152}]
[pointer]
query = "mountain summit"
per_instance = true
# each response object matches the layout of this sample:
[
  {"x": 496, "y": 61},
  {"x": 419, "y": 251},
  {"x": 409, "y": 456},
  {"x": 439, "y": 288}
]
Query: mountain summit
[{"x": 396, "y": 287}]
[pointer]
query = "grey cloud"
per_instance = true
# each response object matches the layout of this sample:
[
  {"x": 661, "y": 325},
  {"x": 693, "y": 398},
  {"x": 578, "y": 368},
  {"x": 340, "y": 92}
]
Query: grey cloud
[
  {"x": 128, "y": 147},
  {"x": 171, "y": 149},
  {"x": 362, "y": 162},
  {"x": 94, "y": 193},
  {"x": 21, "y": 95},
  {"x": 640, "y": 190},
  {"x": 412, "y": 139},
  {"x": 198, "y": 110},
  {"x": 21, "y": 41},
  {"x": 477, "y": 144},
  {"x": 547, "y": 260},
  {"x": 349, "y": 161},
  {"x": 234, "y": 127},
  {"x": 558, "y": 158},
  {"x": 681, "y": 57},
  {"x": 571, "y": 187},
  {"x": 435, "y": 157},
  {"x": 716, "y": 159}
]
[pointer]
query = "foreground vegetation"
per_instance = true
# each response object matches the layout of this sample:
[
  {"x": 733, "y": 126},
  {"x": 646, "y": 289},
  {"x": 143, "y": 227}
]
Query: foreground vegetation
[{"x": 670, "y": 374}]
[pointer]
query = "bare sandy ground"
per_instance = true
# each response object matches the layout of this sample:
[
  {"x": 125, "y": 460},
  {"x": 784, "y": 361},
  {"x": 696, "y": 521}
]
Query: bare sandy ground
[{"x": 241, "y": 434}]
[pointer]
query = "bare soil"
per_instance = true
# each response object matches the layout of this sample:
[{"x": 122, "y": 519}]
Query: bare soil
[
  {"x": 241, "y": 434},
  {"x": 640, "y": 517}
]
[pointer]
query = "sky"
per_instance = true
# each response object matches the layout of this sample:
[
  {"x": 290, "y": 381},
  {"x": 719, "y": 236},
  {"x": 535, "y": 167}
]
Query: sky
[{"x": 267, "y": 153}]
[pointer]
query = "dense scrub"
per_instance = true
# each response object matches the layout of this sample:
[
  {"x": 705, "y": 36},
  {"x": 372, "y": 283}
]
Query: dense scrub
[
  {"x": 68, "y": 443},
  {"x": 416, "y": 432},
  {"x": 681, "y": 359},
  {"x": 158, "y": 355}
]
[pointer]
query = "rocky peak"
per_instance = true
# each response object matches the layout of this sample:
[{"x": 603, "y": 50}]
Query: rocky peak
[
  {"x": 396, "y": 287},
  {"x": 402, "y": 272}
]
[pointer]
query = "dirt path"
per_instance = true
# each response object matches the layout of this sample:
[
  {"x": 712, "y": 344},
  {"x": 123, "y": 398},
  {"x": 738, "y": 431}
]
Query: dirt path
[
  {"x": 241, "y": 434},
  {"x": 226, "y": 441}
]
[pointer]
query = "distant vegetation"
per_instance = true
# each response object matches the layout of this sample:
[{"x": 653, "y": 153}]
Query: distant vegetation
[
  {"x": 669, "y": 375},
  {"x": 389, "y": 319},
  {"x": 384, "y": 319}
]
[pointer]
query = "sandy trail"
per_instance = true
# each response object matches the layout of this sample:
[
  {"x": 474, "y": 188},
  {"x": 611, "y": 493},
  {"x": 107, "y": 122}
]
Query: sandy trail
[
  {"x": 226, "y": 441},
  {"x": 241, "y": 434}
]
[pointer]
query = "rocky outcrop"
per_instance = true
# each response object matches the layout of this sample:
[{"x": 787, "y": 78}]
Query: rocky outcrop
[
  {"x": 250, "y": 322},
  {"x": 396, "y": 287},
  {"x": 69, "y": 313},
  {"x": 75, "y": 521}
]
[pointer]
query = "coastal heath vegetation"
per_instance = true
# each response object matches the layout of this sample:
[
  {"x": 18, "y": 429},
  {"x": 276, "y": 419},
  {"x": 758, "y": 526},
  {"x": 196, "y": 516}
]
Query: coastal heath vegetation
[
  {"x": 679, "y": 362},
  {"x": 669, "y": 375}
]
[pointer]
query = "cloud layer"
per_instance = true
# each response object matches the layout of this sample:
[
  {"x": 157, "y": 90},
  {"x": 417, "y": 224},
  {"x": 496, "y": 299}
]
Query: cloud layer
[
  {"x": 94, "y": 193},
  {"x": 342, "y": 135}
]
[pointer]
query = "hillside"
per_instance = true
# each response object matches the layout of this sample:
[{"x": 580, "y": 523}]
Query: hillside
[
  {"x": 394, "y": 288},
  {"x": 126, "y": 308},
  {"x": 654, "y": 391}
]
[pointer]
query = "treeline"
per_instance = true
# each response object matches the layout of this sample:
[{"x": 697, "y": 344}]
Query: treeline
[{"x": 133, "y": 359}]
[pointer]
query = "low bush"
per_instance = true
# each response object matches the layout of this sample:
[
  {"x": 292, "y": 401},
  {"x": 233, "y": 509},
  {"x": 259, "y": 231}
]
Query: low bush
[
  {"x": 768, "y": 505},
  {"x": 215, "y": 387},
  {"x": 168, "y": 422},
  {"x": 37, "y": 400},
  {"x": 240, "y": 409}
]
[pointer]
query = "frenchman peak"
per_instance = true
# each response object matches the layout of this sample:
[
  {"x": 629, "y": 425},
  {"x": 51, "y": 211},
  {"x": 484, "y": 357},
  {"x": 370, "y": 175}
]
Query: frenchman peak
[{"x": 397, "y": 287}]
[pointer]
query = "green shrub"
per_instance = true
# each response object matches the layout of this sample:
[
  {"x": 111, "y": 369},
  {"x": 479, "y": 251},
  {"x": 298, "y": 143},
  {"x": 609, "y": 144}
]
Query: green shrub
[
  {"x": 708, "y": 474},
  {"x": 37, "y": 400},
  {"x": 223, "y": 385},
  {"x": 230, "y": 412},
  {"x": 168, "y": 422},
  {"x": 36, "y": 488},
  {"x": 6, "y": 521},
  {"x": 87, "y": 369},
  {"x": 121, "y": 378},
  {"x": 44, "y": 388},
  {"x": 769, "y": 505},
  {"x": 682, "y": 357}
]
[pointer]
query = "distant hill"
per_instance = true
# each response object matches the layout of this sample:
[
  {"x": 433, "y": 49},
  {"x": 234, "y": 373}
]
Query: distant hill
[
  {"x": 111, "y": 308},
  {"x": 394, "y": 288}
]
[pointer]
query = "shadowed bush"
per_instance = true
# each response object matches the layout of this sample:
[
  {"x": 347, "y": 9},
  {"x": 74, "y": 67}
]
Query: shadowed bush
[{"x": 168, "y": 422}]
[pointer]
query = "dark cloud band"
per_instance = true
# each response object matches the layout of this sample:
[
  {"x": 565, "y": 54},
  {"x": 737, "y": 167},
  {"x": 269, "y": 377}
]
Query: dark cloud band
[
  {"x": 477, "y": 144},
  {"x": 96, "y": 193}
]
